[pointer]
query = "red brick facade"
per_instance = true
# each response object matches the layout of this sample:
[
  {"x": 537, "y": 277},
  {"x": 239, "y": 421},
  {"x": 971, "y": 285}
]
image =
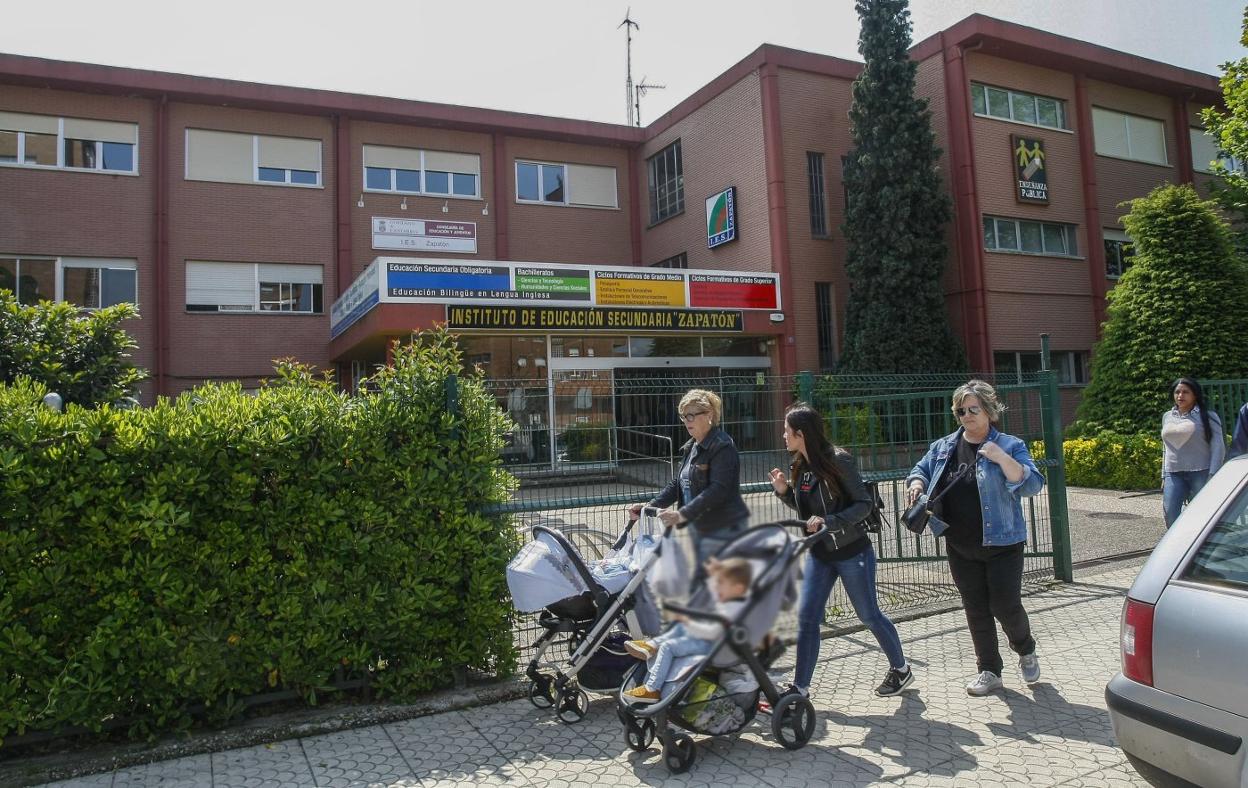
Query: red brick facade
[{"x": 751, "y": 128}]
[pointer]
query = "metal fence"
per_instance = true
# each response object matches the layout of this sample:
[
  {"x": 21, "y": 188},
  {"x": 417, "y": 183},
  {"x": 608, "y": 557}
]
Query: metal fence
[{"x": 585, "y": 450}]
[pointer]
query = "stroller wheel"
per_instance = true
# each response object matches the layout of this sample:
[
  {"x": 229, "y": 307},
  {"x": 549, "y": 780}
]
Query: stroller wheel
[
  {"x": 571, "y": 704},
  {"x": 679, "y": 756},
  {"x": 793, "y": 721},
  {"x": 539, "y": 693},
  {"x": 639, "y": 734}
]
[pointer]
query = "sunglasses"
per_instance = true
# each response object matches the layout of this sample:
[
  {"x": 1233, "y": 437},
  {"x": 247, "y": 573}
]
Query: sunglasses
[
  {"x": 973, "y": 410},
  {"x": 688, "y": 417}
]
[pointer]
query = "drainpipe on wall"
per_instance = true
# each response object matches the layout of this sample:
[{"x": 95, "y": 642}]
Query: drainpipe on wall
[
  {"x": 1091, "y": 210},
  {"x": 1183, "y": 140},
  {"x": 342, "y": 203},
  {"x": 501, "y": 171},
  {"x": 634, "y": 203},
  {"x": 161, "y": 246},
  {"x": 777, "y": 213},
  {"x": 966, "y": 207}
]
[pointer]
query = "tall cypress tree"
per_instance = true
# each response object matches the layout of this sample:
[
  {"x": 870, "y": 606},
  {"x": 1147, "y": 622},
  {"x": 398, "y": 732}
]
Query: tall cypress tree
[{"x": 897, "y": 214}]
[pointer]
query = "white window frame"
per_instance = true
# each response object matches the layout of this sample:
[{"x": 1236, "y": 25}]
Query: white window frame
[
  {"x": 541, "y": 177},
  {"x": 424, "y": 182},
  {"x": 1231, "y": 163},
  {"x": 1063, "y": 117},
  {"x": 1126, "y": 127},
  {"x": 1065, "y": 362},
  {"x": 1068, "y": 231},
  {"x": 255, "y": 164},
  {"x": 1112, "y": 235},
  {"x": 60, "y": 153},
  {"x": 255, "y": 306},
  {"x": 59, "y": 264}
]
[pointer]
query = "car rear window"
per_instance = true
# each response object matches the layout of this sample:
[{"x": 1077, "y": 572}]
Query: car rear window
[{"x": 1223, "y": 558}]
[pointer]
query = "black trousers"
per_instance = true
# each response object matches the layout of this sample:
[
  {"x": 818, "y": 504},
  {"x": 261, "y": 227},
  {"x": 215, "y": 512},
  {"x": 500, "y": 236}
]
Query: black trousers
[{"x": 990, "y": 581}]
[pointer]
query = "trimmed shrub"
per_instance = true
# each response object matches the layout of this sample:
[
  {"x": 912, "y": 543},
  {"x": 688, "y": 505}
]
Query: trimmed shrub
[
  {"x": 224, "y": 545},
  {"x": 1179, "y": 310},
  {"x": 1111, "y": 461},
  {"x": 84, "y": 357}
]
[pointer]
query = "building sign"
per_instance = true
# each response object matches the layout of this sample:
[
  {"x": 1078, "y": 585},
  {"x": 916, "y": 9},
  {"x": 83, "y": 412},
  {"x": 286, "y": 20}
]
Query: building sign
[
  {"x": 442, "y": 280},
  {"x": 363, "y": 294},
  {"x": 721, "y": 218},
  {"x": 566, "y": 284},
  {"x": 741, "y": 291},
  {"x": 1030, "y": 171},
  {"x": 640, "y": 288},
  {"x": 542, "y": 318},
  {"x": 424, "y": 235}
]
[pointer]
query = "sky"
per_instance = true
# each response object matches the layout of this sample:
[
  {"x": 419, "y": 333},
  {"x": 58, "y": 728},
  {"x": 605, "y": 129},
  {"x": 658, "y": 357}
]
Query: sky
[{"x": 563, "y": 58}]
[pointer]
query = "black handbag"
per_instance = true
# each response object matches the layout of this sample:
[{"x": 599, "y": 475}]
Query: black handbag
[{"x": 916, "y": 517}]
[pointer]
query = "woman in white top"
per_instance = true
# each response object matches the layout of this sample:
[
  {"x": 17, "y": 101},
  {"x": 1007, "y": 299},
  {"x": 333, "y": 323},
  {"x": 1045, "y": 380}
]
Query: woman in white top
[{"x": 1191, "y": 435}]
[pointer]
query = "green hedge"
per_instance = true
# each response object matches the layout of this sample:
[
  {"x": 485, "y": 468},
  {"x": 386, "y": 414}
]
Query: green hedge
[
  {"x": 155, "y": 562},
  {"x": 1111, "y": 461}
]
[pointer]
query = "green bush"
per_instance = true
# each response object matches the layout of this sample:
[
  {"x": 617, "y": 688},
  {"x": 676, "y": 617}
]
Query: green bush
[
  {"x": 1179, "y": 310},
  {"x": 1111, "y": 461},
  {"x": 224, "y": 545},
  {"x": 84, "y": 357}
]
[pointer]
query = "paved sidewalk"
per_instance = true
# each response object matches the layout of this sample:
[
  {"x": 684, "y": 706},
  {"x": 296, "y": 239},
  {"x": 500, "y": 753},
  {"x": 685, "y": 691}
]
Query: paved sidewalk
[{"x": 1054, "y": 733}]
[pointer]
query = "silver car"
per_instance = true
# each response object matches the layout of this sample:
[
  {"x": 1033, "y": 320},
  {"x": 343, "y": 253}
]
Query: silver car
[{"x": 1179, "y": 707}]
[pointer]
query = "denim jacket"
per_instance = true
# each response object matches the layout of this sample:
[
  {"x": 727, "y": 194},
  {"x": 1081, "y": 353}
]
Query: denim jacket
[
  {"x": 1001, "y": 499},
  {"x": 715, "y": 482}
]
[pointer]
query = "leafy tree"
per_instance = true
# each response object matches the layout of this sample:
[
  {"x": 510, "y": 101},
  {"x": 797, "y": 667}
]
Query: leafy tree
[
  {"x": 1181, "y": 309},
  {"x": 84, "y": 357},
  {"x": 897, "y": 213},
  {"x": 1230, "y": 129}
]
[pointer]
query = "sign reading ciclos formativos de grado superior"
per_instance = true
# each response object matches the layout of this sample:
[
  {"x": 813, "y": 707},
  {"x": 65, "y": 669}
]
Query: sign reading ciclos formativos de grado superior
[{"x": 1030, "y": 170}]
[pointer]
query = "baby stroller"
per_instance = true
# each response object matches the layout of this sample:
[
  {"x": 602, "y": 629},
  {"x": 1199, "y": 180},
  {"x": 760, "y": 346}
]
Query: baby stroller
[
  {"x": 717, "y": 693},
  {"x": 591, "y": 610}
]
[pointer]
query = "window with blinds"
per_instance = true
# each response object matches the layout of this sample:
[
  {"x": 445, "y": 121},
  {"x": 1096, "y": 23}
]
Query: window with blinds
[
  {"x": 253, "y": 287},
  {"x": 415, "y": 171},
  {"x": 232, "y": 157},
  {"x": 1126, "y": 136},
  {"x": 580, "y": 185},
  {"x": 68, "y": 143}
]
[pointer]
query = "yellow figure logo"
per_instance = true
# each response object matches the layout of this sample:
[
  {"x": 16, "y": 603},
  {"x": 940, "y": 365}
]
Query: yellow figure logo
[{"x": 1032, "y": 160}]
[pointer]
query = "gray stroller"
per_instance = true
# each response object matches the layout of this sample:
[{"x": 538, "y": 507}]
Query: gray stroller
[
  {"x": 717, "y": 694},
  {"x": 590, "y": 611}
]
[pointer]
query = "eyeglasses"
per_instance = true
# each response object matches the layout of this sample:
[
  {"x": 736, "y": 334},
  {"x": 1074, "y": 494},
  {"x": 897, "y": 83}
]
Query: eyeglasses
[
  {"x": 973, "y": 410},
  {"x": 688, "y": 417}
]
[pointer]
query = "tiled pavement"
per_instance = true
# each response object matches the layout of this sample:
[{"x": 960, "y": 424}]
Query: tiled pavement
[{"x": 1054, "y": 733}]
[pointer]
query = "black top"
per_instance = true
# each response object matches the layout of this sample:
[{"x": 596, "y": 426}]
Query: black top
[
  {"x": 715, "y": 485},
  {"x": 842, "y": 510},
  {"x": 960, "y": 506}
]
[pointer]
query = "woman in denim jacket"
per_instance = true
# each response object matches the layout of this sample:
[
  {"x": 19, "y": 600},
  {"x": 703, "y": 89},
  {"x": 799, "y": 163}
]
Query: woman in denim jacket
[
  {"x": 707, "y": 488},
  {"x": 987, "y": 474}
]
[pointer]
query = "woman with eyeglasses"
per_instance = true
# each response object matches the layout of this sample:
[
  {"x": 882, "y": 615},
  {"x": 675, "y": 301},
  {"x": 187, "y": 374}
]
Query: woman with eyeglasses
[
  {"x": 1193, "y": 447},
  {"x": 707, "y": 489},
  {"x": 983, "y": 475}
]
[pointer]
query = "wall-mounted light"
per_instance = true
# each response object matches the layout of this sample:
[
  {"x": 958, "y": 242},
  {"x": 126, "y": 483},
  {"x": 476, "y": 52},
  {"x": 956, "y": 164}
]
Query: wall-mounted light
[
  {"x": 403, "y": 204},
  {"x": 485, "y": 211},
  {"x": 446, "y": 206},
  {"x": 360, "y": 202}
]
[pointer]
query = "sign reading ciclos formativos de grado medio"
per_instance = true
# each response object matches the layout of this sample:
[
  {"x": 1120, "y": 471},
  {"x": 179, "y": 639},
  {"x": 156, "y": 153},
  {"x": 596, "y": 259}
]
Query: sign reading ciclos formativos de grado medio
[
  {"x": 721, "y": 217},
  {"x": 1030, "y": 170}
]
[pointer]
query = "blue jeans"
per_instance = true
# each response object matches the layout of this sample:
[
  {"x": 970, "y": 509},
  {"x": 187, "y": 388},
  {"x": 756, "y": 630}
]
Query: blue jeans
[
  {"x": 858, "y": 574},
  {"x": 1177, "y": 488},
  {"x": 672, "y": 644}
]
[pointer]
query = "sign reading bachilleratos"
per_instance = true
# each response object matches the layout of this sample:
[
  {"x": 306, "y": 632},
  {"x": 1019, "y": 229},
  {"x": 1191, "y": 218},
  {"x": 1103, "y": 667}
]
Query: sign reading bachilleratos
[
  {"x": 540, "y": 318},
  {"x": 1029, "y": 169}
]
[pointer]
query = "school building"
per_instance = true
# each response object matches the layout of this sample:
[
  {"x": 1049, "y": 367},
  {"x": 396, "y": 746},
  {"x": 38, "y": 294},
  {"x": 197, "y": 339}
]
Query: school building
[{"x": 251, "y": 222}]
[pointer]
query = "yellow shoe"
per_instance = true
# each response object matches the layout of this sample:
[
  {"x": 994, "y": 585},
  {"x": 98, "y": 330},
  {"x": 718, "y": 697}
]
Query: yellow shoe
[
  {"x": 641, "y": 695},
  {"x": 641, "y": 649}
]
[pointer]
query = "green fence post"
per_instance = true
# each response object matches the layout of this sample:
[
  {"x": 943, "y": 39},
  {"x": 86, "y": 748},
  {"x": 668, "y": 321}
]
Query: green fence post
[
  {"x": 806, "y": 388},
  {"x": 1059, "y": 516}
]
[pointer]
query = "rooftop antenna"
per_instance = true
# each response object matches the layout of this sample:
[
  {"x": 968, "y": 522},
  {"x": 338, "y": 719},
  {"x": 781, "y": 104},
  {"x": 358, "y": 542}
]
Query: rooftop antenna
[
  {"x": 628, "y": 24},
  {"x": 642, "y": 87}
]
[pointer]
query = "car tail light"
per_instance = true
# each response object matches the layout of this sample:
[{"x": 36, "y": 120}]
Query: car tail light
[{"x": 1137, "y": 642}]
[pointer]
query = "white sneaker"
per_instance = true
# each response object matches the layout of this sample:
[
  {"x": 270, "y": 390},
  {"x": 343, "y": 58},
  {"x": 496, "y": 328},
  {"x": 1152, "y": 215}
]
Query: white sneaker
[
  {"x": 983, "y": 684},
  {"x": 1029, "y": 664}
]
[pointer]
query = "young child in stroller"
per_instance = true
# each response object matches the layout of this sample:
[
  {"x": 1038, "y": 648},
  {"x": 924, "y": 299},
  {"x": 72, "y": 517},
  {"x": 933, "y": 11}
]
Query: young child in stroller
[{"x": 730, "y": 581}]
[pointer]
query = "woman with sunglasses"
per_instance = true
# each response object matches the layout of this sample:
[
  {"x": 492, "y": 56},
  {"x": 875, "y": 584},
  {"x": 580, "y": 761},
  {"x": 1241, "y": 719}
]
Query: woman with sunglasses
[
  {"x": 707, "y": 489},
  {"x": 983, "y": 475}
]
